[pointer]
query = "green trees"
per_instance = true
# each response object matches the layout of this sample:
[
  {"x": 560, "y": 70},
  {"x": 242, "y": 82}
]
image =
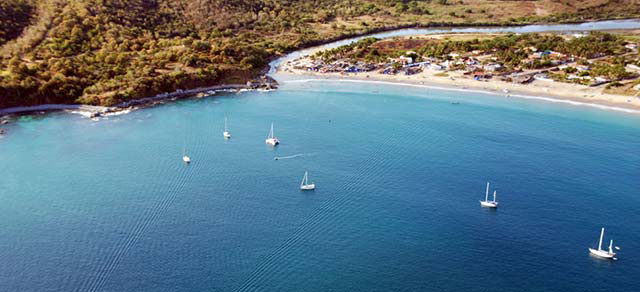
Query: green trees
[
  {"x": 357, "y": 49},
  {"x": 594, "y": 44},
  {"x": 611, "y": 71}
]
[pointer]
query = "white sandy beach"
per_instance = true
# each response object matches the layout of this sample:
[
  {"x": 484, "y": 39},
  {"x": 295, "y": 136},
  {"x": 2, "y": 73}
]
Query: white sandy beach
[{"x": 456, "y": 80}]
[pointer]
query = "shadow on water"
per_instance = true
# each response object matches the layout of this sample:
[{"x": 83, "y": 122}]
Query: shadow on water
[
  {"x": 600, "y": 262},
  {"x": 491, "y": 211}
]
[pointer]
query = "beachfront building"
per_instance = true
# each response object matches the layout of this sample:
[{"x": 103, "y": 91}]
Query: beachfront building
[
  {"x": 549, "y": 54},
  {"x": 583, "y": 68},
  {"x": 480, "y": 75},
  {"x": 436, "y": 67},
  {"x": 403, "y": 60},
  {"x": 406, "y": 59},
  {"x": 493, "y": 67},
  {"x": 632, "y": 68},
  {"x": 470, "y": 61},
  {"x": 576, "y": 77},
  {"x": 542, "y": 77}
]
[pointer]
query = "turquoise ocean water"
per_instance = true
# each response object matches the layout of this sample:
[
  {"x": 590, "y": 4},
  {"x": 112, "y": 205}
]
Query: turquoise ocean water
[{"x": 109, "y": 205}]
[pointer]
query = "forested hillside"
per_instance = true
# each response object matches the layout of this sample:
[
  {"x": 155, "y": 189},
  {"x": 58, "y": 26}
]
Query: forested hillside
[
  {"x": 15, "y": 15},
  {"x": 107, "y": 51}
]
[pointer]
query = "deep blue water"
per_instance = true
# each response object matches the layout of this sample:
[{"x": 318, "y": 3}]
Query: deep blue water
[{"x": 109, "y": 205}]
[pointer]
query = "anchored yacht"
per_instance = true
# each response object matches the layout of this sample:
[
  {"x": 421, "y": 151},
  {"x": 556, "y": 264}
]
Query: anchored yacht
[
  {"x": 272, "y": 139},
  {"x": 486, "y": 202},
  {"x": 606, "y": 254}
]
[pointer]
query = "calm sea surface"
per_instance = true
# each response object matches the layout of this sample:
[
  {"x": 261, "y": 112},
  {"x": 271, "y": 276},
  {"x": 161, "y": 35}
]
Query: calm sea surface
[{"x": 109, "y": 205}]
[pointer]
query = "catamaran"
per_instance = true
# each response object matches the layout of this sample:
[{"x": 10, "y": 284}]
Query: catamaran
[
  {"x": 226, "y": 133},
  {"x": 271, "y": 139},
  {"x": 607, "y": 254},
  {"x": 185, "y": 158},
  {"x": 304, "y": 184},
  {"x": 486, "y": 202}
]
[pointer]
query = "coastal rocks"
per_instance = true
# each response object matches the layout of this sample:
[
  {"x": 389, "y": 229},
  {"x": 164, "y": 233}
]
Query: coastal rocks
[
  {"x": 9, "y": 114},
  {"x": 4, "y": 121},
  {"x": 253, "y": 84},
  {"x": 95, "y": 113},
  {"x": 265, "y": 82},
  {"x": 178, "y": 94}
]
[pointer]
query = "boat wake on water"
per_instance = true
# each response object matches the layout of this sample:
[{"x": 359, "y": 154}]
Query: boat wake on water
[{"x": 289, "y": 157}]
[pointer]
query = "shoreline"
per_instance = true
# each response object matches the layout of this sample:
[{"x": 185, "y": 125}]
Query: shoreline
[
  {"x": 540, "y": 90},
  {"x": 51, "y": 107},
  {"x": 448, "y": 88},
  {"x": 94, "y": 112},
  {"x": 276, "y": 64}
]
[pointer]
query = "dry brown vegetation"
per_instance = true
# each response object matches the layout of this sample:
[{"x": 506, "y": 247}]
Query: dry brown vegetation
[{"x": 107, "y": 51}]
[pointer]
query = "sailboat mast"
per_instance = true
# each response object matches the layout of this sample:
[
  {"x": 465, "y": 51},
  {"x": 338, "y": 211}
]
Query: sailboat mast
[
  {"x": 494, "y": 195},
  {"x": 486, "y": 197},
  {"x": 271, "y": 134},
  {"x": 601, "y": 236},
  {"x": 304, "y": 180},
  {"x": 611, "y": 246}
]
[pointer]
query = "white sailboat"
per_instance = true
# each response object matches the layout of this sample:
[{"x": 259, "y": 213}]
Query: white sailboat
[
  {"x": 304, "y": 184},
  {"x": 272, "y": 139},
  {"x": 185, "y": 157},
  {"x": 226, "y": 133},
  {"x": 486, "y": 202},
  {"x": 606, "y": 254}
]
